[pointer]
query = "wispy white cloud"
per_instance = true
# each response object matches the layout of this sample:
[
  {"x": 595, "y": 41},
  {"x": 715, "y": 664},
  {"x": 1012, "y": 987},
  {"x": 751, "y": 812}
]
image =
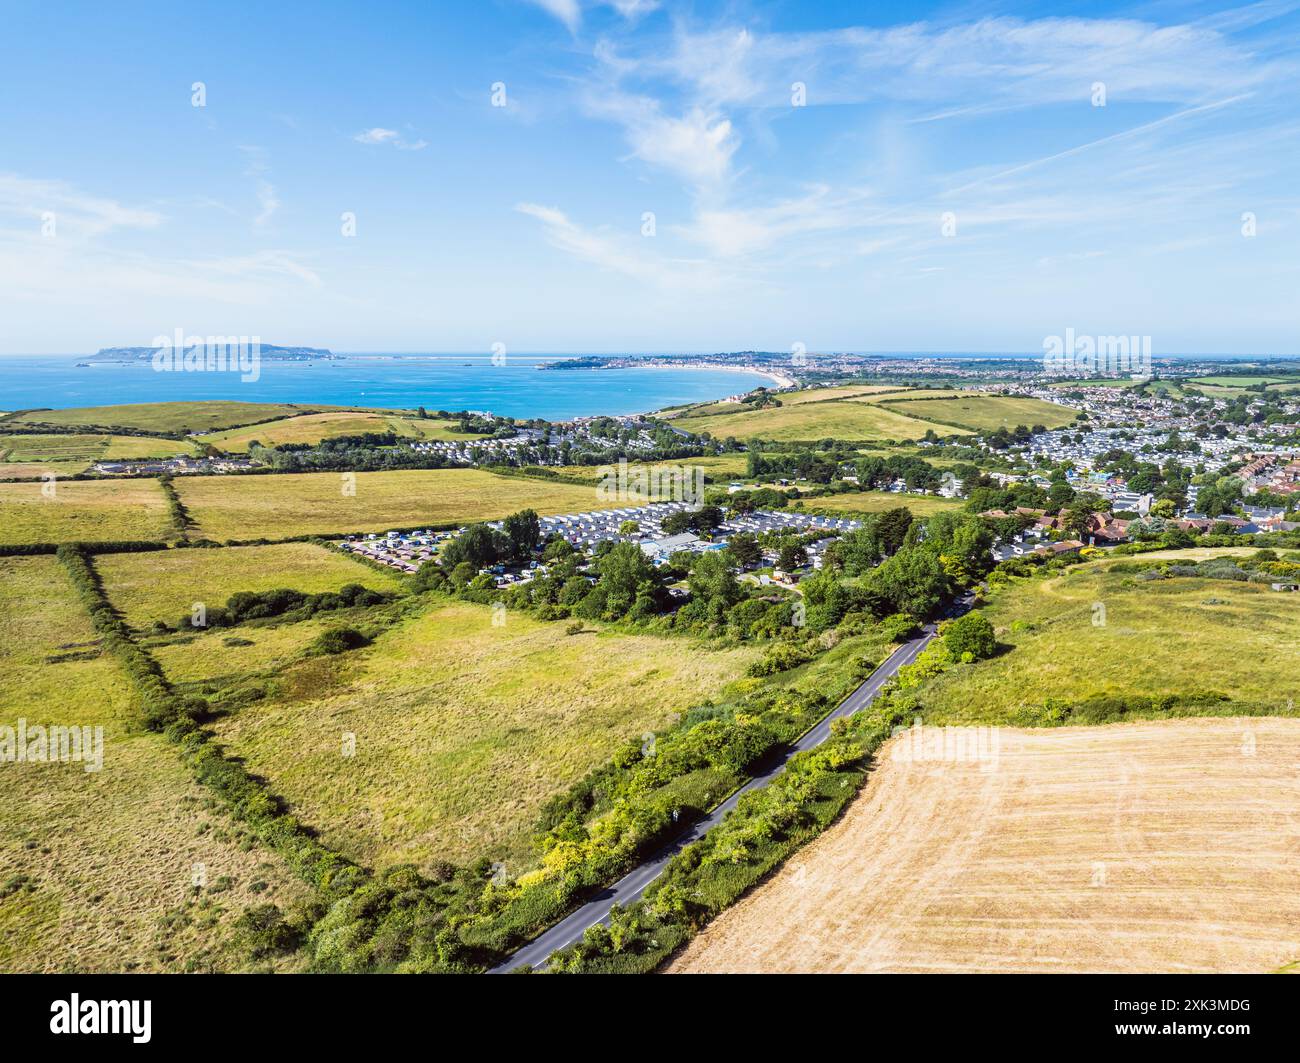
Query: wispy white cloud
[
  {"x": 567, "y": 11},
  {"x": 78, "y": 215},
  {"x": 570, "y": 11},
  {"x": 696, "y": 146},
  {"x": 380, "y": 135},
  {"x": 256, "y": 167},
  {"x": 631, "y": 256}
]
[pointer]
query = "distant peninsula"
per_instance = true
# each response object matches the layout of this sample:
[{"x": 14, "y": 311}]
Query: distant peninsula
[
  {"x": 775, "y": 366},
  {"x": 269, "y": 352}
]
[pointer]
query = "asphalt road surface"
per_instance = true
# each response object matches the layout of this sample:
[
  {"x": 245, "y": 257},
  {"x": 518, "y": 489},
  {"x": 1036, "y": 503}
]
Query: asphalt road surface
[{"x": 634, "y": 883}]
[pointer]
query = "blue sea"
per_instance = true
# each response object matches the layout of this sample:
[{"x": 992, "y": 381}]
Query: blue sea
[{"x": 435, "y": 381}]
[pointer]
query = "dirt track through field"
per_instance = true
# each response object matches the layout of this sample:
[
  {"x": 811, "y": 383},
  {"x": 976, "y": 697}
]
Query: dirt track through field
[{"x": 1158, "y": 846}]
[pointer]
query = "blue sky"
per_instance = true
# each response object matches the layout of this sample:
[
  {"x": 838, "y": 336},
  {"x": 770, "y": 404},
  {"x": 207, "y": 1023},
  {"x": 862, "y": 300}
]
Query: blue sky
[{"x": 948, "y": 184}]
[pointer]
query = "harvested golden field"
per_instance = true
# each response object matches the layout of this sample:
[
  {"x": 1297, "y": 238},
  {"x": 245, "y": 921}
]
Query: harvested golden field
[
  {"x": 462, "y": 728},
  {"x": 97, "y": 868},
  {"x": 164, "y": 585},
  {"x": 35, "y": 470},
  {"x": 278, "y": 507},
  {"x": 1169, "y": 846},
  {"x": 83, "y": 510}
]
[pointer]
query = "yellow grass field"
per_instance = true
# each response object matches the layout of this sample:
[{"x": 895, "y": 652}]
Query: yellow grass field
[
  {"x": 462, "y": 728},
  {"x": 252, "y": 507},
  {"x": 869, "y": 413},
  {"x": 879, "y": 501},
  {"x": 849, "y": 391},
  {"x": 1170, "y": 846},
  {"x": 313, "y": 427},
  {"x": 985, "y": 413},
  {"x": 1094, "y": 630},
  {"x": 164, "y": 585},
  {"x": 205, "y": 656},
  {"x": 86, "y": 510},
  {"x": 717, "y": 468},
  {"x": 96, "y": 868},
  {"x": 843, "y": 419}
]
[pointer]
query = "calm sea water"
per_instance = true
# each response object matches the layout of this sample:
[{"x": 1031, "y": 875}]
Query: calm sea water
[{"x": 437, "y": 382}]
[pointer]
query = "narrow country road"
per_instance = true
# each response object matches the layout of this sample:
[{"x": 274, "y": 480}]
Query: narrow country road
[{"x": 634, "y": 883}]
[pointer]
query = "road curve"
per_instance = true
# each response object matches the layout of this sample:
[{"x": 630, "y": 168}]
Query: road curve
[{"x": 630, "y": 887}]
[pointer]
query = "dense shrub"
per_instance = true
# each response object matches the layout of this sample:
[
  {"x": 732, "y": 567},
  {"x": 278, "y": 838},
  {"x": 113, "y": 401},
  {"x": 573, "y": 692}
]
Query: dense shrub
[
  {"x": 338, "y": 640},
  {"x": 970, "y": 638},
  {"x": 262, "y": 605}
]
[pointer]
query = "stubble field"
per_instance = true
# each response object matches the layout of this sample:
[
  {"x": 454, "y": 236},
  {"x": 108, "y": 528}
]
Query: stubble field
[{"x": 1168, "y": 846}]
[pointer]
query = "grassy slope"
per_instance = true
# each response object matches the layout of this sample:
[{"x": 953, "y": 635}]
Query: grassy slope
[
  {"x": 170, "y": 416},
  {"x": 463, "y": 729},
  {"x": 251, "y": 507},
  {"x": 83, "y": 510},
  {"x": 986, "y": 412},
  {"x": 164, "y": 586},
  {"x": 847, "y": 419},
  {"x": 313, "y": 427},
  {"x": 1159, "y": 637},
  {"x": 109, "y": 854}
]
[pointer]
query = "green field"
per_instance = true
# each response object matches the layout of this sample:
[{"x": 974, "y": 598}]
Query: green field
[
  {"x": 879, "y": 501},
  {"x": 986, "y": 413},
  {"x": 276, "y": 507},
  {"x": 164, "y": 585},
  {"x": 96, "y": 867},
  {"x": 463, "y": 728},
  {"x": 716, "y": 468},
  {"x": 83, "y": 510},
  {"x": 1244, "y": 381},
  {"x": 838, "y": 419},
  {"x": 86, "y": 448},
  {"x": 872, "y": 414},
  {"x": 168, "y": 416},
  {"x": 1106, "y": 382},
  {"x": 313, "y": 427},
  {"x": 251, "y": 652},
  {"x": 1181, "y": 636},
  {"x": 848, "y": 391}
]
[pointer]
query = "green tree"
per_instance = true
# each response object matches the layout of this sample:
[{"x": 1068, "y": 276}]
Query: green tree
[
  {"x": 524, "y": 531},
  {"x": 711, "y": 580},
  {"x": 970, "y": 638},
  {"x": 622, "y": 572},
  {"x": 912, "y": 581},
  {"x": 744, "y": 550},
  {"x": 477, "y": 545},
  {"x": 892, "y": 527},
  {"x": 791, "y": 557}
]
